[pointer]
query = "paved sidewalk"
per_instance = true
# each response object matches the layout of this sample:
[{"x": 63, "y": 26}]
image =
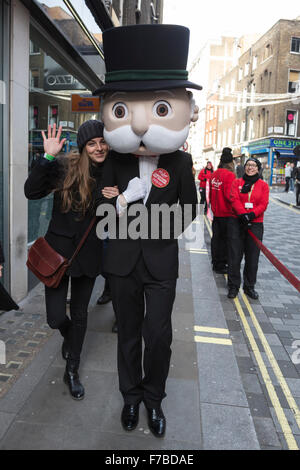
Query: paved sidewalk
[
  {"x": 206, "y": 405},
  {"x": 287, "y": 198}
]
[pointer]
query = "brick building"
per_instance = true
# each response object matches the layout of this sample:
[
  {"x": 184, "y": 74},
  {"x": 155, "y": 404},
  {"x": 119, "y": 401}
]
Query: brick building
[
  {"x": 258, "y": 114},
  {"x": 214, "y": 60}
]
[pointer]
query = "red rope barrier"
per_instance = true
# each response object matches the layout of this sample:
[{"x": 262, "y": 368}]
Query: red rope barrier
[{"x": 275, "y": 261}]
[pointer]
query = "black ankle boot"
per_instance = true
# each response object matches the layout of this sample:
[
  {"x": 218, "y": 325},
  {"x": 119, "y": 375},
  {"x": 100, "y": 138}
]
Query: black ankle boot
[{"x": 71, "y": 378}]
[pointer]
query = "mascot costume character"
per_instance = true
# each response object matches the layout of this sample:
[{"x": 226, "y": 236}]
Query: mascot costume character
[{"x": 146, "y": 113}]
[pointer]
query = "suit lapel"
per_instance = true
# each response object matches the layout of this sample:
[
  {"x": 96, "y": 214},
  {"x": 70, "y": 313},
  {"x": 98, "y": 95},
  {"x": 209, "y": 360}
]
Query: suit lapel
[{"x": 164, "y": 162}]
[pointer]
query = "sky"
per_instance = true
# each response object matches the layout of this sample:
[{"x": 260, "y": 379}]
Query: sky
[{"x": 226, "y": 17}]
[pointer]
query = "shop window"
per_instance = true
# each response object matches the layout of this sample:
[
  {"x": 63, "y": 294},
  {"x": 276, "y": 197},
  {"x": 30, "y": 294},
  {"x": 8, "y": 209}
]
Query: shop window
[
  {"x": 34, "y": 78},
  {"x": 33, "y": 117},
  {"x": 53, "y": 114},
  {"x": 294, "y": 81},
  {"x": 295, "y": 45},
  {"x": 34, "y": 49},
  {"x": 291, "y": 123}
]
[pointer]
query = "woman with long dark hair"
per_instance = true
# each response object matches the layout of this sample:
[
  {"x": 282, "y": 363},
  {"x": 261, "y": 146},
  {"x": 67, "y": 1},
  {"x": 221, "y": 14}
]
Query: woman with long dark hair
[{"x": 75, "y": 180}]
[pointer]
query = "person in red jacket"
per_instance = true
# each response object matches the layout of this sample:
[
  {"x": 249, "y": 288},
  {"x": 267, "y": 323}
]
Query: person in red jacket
[
  {"x": 249, "y": 199},
  {"x": 220, "y": 185},
  {"x": 204, "y": 175}
]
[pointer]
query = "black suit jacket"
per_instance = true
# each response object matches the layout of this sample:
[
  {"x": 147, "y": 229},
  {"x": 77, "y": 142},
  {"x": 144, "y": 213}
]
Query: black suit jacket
[
  {"x": 160, "y": 255},
  {"x": 66, "y": 229}
]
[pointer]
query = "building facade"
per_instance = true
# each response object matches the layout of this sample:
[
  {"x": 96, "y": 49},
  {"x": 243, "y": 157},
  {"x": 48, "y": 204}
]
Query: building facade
[
  {"x": 259, "y": 102},
  {"x": 214, "y": 60},
  {"x": 51, "y": 62}
]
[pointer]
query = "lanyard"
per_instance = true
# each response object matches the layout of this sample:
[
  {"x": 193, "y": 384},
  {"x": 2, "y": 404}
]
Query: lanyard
[{"x": 250, "y": 192}]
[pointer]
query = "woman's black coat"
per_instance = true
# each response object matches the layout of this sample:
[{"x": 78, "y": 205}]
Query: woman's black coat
[{"x": 66, "y": 229}]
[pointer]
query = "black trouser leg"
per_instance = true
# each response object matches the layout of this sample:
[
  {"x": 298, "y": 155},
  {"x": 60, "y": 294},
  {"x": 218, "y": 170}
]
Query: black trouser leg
[
  {"x": 219, "y": 249},
  {"x": 203, "y": 195},
  {"x": 56, "y": 306},
  {"x": 287, "y": 184},
  {"x": 157, "y": 333},
  {"x": 128, "y": 294},
  {"x": 298, "y": 194},
  {"x": 74, "y": 329},
  {"x": 81, "y": 291},
  {"x": 252, "y": 255},
  {"x": 128, "y": 303},
  {"x": 236, "y": 236}
]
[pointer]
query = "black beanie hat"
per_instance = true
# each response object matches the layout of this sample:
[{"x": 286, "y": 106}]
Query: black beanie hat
[
  {"x": 87, "y": 131},
  {"x": 252, "y": 159},
  {"x": 226, "y": 156}
]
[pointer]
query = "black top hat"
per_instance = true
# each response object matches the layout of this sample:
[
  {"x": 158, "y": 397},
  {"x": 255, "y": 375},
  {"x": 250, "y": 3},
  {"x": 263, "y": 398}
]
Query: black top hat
[{"x": 146, "y": 57}]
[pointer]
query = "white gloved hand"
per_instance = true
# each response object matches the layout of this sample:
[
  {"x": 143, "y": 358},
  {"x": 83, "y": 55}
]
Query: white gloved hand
[{"x": 135, "y": 190}]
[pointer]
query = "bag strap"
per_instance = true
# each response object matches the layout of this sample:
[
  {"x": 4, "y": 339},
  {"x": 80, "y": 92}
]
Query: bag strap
[{"x": 83, "y": 239}]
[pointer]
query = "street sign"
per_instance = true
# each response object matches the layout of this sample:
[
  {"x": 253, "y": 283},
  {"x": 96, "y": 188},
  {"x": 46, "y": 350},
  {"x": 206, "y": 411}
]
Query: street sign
[{"x": 85, "y": 104}]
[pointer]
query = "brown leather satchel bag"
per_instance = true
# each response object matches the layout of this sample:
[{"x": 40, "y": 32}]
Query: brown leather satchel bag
[{"x": 48, "y": 265}]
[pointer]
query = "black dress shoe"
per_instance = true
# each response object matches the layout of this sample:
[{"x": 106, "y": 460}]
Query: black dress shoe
[
  {"x": 71, "y": 378},
  {"x": 156, "y": 421},
  {"x": 232, "y": 293},
  {"x": 130, "y": 417},
  {"x": 65, "y": 349},
  {"x": 251, "y": 292}
]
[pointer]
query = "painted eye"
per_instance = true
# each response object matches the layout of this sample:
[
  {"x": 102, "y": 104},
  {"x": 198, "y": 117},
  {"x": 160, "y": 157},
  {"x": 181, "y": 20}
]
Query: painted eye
[
  {"x": 162, "y": 109},
  {"x": 120, "y": 110}
]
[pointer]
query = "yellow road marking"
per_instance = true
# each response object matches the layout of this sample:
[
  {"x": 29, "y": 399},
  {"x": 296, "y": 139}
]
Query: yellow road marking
[
  {"x": 289, "y": 437},
  {"x": 273, "y": 362},
  {"x": 196, "y": 250},
  {"x": 209, "y": 329},
  {"x": 279, "y": 203},
  {"x": 207, "y": 339}
]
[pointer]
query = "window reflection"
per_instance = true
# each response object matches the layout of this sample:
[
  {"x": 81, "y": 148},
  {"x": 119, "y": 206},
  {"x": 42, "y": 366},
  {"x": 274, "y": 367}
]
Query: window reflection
[{"x": 50, "y": 98}]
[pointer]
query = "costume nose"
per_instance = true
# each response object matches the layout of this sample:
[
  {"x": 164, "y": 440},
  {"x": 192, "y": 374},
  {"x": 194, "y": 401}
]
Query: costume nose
[{"x": 139, "y": 121}]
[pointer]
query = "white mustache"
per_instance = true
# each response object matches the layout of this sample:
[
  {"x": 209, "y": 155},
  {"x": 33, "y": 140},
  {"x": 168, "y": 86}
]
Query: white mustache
[{"x": 157, "y": 139}]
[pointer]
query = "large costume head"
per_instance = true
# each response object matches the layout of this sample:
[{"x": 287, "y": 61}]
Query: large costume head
[{"x": 147, "y": 109}]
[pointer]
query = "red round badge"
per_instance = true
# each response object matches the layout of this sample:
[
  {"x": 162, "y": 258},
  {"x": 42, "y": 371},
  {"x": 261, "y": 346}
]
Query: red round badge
[{"x": 160, "y": 178}]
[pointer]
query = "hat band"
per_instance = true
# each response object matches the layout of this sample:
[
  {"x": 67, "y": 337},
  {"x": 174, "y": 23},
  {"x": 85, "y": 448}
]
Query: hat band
[{"x": 123, "y": 75}]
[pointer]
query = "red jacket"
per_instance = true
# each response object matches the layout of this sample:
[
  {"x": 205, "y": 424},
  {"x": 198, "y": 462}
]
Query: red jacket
[
  {"x": 204, "y": 175},
  {"x": 259, "y": 197},
  {"x": 220, "y": 186}
]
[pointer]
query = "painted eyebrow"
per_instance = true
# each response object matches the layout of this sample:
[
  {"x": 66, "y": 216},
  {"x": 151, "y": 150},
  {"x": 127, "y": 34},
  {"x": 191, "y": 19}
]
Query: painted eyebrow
[
  {"x": 168, "y": 92},
  {"x": 118, "y": 93}
]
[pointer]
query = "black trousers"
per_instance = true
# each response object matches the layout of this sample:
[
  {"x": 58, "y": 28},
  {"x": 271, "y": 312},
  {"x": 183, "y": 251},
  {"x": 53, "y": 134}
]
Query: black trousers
[
  {"x": 297, "y": 194},
  {"x": 143, "y": 307},
  {"x": 219, "y": 242},
  {"x": 73, "y": 329},
  {"x": 240, "y": 244},
  {"x": 287, "y": 184}
]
